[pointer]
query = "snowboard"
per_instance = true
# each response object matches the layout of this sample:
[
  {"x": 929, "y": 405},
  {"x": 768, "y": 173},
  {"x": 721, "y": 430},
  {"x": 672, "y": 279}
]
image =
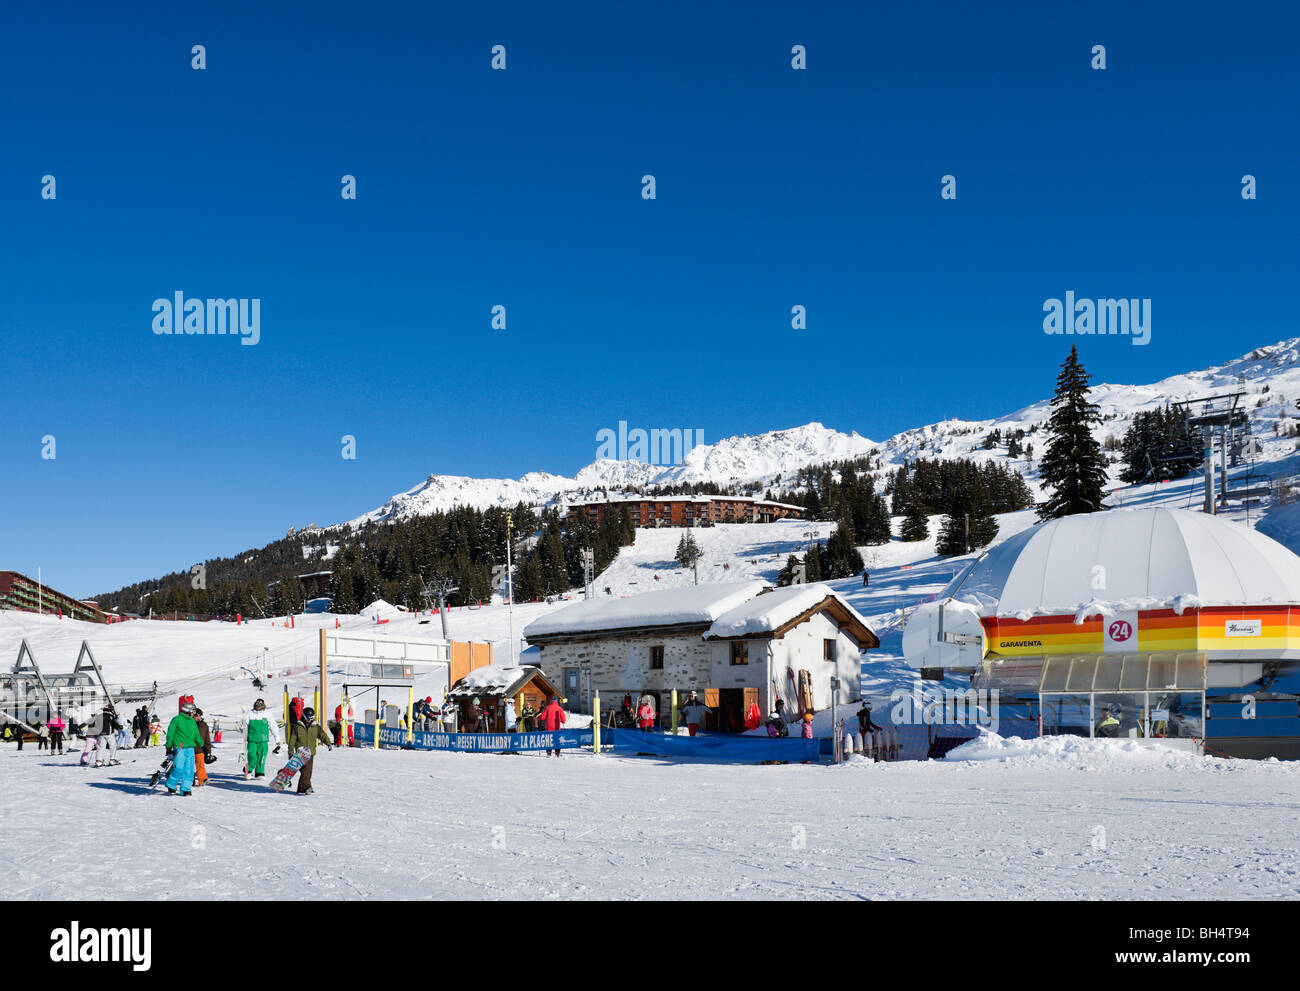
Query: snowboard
[
  {"x": 286, "y": 774},
  {"x": 161, "y": 774}
]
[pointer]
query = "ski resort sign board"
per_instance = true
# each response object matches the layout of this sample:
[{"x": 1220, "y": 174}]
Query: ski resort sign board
[{"x": 480, "y": 743}]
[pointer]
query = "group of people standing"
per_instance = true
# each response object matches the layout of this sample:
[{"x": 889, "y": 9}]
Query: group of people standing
[{"x": 103, "y": 733}]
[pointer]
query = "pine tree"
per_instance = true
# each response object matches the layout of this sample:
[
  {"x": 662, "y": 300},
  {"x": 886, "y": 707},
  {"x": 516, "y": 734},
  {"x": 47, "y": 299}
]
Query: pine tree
[
  {"x": 916, "y": 525},
  {"x": 952, "y": 535},
  {"x": 1074, "y": 467},
  {"x": 688, "y": 551}
]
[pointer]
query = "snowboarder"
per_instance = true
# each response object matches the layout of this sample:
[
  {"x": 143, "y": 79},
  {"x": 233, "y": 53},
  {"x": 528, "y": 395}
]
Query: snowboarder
[
  {"x": 694, "y": 712},
  {"x": 552, "y": 719},
  {"x": 183, "y": 738},
  {"x": 645, "y": 714},
  {"x": 57, "y": 726},
  {"x": 306, "y": 733},
  {"x": 259, "y": 729},
  {"x": 866, "y": 730}
]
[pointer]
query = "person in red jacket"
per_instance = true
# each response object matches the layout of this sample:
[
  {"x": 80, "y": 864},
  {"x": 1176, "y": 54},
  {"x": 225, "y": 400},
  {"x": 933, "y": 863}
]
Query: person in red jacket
[
  {"x": 551, "y": 719},
  {"x": 645, "y": 714}
]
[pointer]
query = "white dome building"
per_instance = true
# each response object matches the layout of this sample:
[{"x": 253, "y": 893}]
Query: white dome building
[{"x": 1151, "y": 602}]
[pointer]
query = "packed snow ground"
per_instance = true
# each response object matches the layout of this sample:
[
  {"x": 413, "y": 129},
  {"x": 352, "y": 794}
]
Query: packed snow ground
[{"x": 404, "y": 824}]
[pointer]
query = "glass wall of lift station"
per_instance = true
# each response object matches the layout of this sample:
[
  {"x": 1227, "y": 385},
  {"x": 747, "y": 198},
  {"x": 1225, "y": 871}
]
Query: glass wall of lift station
[{"x": 1148, "y": 695}]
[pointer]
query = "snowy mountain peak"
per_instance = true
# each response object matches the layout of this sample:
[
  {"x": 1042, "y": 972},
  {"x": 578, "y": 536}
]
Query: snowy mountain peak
[{"x": 1270, "y": 374}]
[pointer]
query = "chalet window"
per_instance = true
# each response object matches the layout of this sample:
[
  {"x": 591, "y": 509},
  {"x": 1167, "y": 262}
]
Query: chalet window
[
  {"x": 828, "y": 650},
  {"x": 739, "y": 652},
  {"x": 657, "y": 657}
]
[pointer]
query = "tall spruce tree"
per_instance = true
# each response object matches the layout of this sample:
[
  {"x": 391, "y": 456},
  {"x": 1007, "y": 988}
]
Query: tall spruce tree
[
  {"x": 1073, "y": 467},
  {"x": 916, "y": 525}
]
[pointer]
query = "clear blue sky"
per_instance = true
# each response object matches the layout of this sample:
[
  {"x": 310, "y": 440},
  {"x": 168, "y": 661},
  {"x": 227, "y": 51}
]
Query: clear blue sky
[{"x": 475, "y": 188}]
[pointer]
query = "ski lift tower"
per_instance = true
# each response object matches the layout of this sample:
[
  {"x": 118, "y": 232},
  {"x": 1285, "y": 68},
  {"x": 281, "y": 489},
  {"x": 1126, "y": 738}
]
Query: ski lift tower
[{"x": 1222, "y": 415}]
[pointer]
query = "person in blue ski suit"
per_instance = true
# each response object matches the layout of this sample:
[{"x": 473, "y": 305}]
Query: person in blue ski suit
[{"x": 183, "y": 738}]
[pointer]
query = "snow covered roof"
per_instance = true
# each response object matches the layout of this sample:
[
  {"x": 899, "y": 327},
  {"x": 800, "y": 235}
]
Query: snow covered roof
[
  {"x": 1126, "y": 560},
  {"x": 689, "y": 605},
  {"x": 768, "y": 613},
  {"x": 495, "y": 679}
]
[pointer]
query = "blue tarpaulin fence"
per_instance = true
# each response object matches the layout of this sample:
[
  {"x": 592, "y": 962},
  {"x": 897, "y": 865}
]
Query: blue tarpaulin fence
[
  {"x": 711, "y": 746},
  {"x": 706, "y": 746},
  {"x": 483, "y": 743}
]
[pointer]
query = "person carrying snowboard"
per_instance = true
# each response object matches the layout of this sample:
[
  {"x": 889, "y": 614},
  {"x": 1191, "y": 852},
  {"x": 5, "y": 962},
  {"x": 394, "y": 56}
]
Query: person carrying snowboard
[
  {"x": 259, "y": 729},
  {"x": 306, "y": 733},
  {"x": 183, "y": 738}
]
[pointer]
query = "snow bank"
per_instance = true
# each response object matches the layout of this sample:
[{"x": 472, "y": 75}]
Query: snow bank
[{"x": 1078, "y": 753}]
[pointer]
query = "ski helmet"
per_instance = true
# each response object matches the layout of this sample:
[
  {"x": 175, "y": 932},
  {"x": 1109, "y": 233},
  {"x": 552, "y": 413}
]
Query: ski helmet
[
  {"x": 188, "y": 708},
  {"x": 308, "y": 713},
  {"x": 428, "y": 698}
]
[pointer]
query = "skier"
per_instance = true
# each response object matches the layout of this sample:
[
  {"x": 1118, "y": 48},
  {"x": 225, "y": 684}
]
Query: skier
[
  {"x": 305, "y": 733},
  {"x": 866, "y": 730},
  {"x": 866, "y": 578},
  {"x": 259, "y": 728},
  {"x": 155, "y": 729},
  {"x": 552, "y": 719},
  {"x": 108, "y": 740},
  {"x": 183, "y": 738},
  {"x": 694, "y": 712},
  {"x": 94, "y": 728},
  {"x": 57, "y": 726},
  {"x": 645, "y": 714},
  {"x": 202, "y": 754}
]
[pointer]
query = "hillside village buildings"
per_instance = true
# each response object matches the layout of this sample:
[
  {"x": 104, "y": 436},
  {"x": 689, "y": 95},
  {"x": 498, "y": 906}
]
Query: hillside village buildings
[{"x": 685, "y": 510}]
